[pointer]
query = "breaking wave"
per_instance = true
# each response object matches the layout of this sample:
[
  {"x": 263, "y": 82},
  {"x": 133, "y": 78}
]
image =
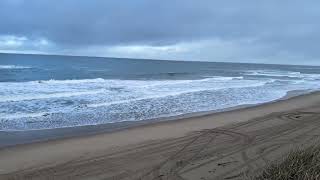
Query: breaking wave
[
  {"x": 61, "y": 103},
  {"x": 13, "y": 67},
  {"x": 289, "y": 74}
]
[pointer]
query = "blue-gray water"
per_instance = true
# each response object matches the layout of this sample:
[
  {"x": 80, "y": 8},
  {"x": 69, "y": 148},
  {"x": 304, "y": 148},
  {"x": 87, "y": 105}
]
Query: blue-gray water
[{"x": 38, "y": 92}]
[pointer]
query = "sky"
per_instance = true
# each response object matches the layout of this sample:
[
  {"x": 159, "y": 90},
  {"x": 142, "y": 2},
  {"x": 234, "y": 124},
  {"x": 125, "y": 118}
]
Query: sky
[{"x": 257, "y": 31}]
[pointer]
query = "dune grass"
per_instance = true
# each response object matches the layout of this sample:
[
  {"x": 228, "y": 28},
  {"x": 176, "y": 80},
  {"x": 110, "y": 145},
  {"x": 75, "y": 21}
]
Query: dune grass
[{"x": 301, "y": 164}]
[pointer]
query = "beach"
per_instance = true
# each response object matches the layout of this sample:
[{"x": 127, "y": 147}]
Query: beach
[
  {"x": 159, "y": 90},
  {"x": 222, "y": 145}
]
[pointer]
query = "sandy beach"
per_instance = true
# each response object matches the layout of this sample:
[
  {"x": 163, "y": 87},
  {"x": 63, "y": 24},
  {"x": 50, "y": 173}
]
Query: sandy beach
[{"x": 222, "y": 145}]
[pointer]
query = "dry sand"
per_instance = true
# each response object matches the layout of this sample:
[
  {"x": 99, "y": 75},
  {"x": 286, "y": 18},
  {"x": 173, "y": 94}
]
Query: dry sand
[{"x": 223, "y": 145}]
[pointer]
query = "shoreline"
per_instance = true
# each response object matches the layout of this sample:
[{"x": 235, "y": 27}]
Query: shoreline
[
  {"x": 12, "y": 138},
  {"x": 251, "y": 135}
]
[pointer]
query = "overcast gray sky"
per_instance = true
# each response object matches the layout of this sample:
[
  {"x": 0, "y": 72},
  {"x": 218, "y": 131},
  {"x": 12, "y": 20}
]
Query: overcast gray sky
[{"x": 266, "y": 31}]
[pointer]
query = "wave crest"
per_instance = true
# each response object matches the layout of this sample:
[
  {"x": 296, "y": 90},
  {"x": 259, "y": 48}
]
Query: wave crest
[{"x": 13, "y": 67}]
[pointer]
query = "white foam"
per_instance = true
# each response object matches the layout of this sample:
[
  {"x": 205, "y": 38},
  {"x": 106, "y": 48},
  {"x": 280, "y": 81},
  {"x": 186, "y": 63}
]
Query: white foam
[
  {"x": 197, "y": 86},
  {"x": 273, "y": 73},
  {"x": 290, "y": 74},
  {"x": 73, "y": 81},
  {"x": 72, "y": 96},
  {"x": 14, "y": 98},
  {"x": 54, "y": 96},
  {"x": 13, "y": 67},
  {"x": 154, "y": 96},
  {"x": 21, "y": 115},
  {"x": 36, "y": 90},
  {"x": 94, "y": 101},
  {"x": 118, "y": 82},
  {"x": 222, "y": 78}
]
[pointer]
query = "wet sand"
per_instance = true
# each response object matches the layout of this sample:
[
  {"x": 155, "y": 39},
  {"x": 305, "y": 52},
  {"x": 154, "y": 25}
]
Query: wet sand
[{"x": 223, "y": 145}]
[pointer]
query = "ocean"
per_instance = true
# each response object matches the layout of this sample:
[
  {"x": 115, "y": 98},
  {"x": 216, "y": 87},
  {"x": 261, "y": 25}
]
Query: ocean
[{"x": 44, "y": 92}]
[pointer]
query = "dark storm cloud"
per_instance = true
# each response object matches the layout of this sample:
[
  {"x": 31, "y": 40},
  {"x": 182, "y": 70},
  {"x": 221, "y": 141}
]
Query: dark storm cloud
[
  {"x": 289, "y": 25},
  {"x": 106, "y": 22}
]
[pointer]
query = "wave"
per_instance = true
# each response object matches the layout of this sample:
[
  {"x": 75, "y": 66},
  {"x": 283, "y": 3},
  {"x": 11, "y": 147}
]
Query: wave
[
  {"x": 69, "y": 81},
  {"x": 13, "y": 67},
  {"x": 182, "y": 91},
  {"x": 273, "y": 73},
  {"x": 96, "y": 101},
  {"x": 16, "y": 98},
  {"x": 53, "y": 89},
  {"x": 222, "y": 78},
  {"x": 289, "y": 74},
  {"x": 155, "y": 96},
  {"x": 22, "y": 115},
  {"x": 129, "y": 82}
]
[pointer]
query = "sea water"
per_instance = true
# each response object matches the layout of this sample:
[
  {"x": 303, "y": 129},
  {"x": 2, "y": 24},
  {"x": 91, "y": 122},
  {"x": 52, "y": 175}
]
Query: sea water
[{"x": 41, "y": 92}]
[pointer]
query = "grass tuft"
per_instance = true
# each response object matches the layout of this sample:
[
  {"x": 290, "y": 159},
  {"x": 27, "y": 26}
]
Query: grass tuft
[{"x": 301, "y": 164}]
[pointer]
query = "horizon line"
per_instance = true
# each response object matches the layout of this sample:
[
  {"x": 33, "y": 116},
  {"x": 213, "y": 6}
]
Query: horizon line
[{"x": 174, "y": 60}]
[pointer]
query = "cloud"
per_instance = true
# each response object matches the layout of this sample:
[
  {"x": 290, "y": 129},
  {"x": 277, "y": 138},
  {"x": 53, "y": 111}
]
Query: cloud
[
  {"x": 172, "y": 29},
  {"x": 12, "y": 41},
  {"x": 245, "y": 50}
]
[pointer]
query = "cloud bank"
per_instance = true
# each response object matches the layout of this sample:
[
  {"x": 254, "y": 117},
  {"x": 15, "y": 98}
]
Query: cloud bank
[{"x": 240, "y": 31}]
